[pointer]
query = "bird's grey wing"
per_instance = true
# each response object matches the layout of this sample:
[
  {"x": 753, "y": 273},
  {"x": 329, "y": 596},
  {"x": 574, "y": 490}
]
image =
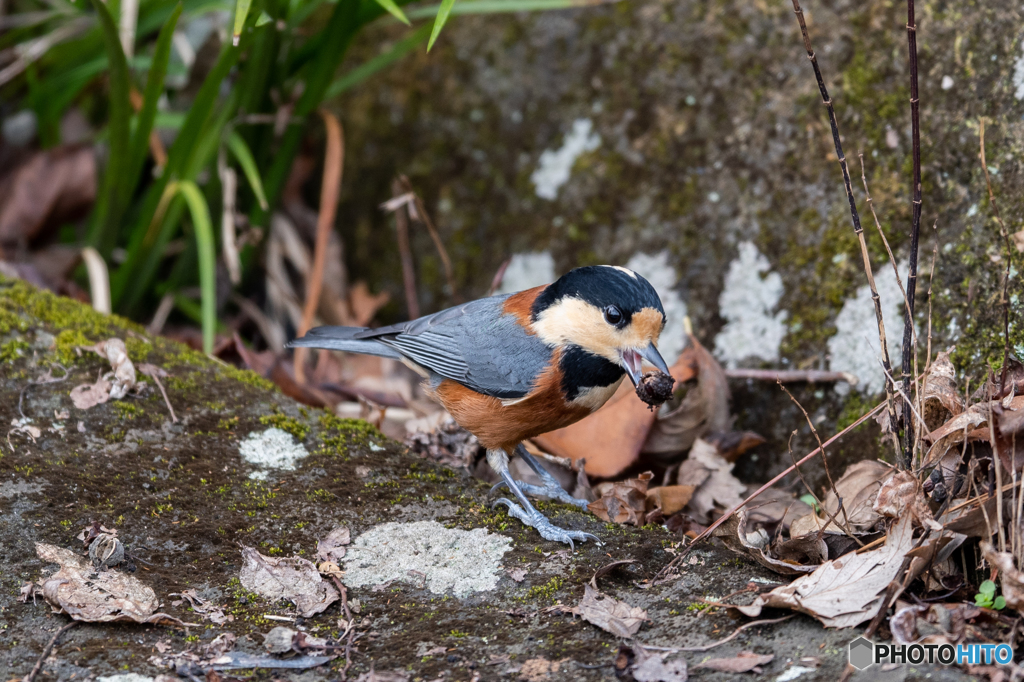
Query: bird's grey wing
[{"x": 475, "y": 344}]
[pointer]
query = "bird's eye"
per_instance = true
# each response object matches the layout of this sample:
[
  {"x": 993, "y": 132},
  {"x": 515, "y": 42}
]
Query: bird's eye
[{"x": 612, "y": 315}]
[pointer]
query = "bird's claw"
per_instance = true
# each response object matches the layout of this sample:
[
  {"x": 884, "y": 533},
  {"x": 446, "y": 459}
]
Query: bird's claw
[
  {"x": 550, "y": 491},
  {"x": 547, "y": 530}
]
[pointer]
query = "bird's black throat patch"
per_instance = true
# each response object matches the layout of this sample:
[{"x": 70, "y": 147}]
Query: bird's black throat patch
[{"x": 582, "y": 369}]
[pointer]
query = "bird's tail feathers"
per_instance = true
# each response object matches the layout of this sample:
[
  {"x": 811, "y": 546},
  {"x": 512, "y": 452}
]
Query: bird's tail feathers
[{"x": 341, "y": 338}]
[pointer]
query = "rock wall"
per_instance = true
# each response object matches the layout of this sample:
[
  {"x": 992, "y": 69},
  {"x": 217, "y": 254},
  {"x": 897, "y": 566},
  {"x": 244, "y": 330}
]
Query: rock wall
[{"x": 695, "y": 130}]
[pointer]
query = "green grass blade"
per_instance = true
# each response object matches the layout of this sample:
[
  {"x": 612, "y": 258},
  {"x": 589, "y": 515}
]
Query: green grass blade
[
  {"x": 154, "y": 88},
  {"x": 502, "y": 6},
  {"x": 241, "y": 12},
  {"x": 132, "y": 279},
  {"x": 381, "y": 61},
  {"x": 394, "y": 10},
  {"x": 341, "y": 27},
  {"x": 245, "y": 159},
  {"x": 113, "y": 199},
  {"x": 207, "y": 259},
  {"x": 439, "y": 21}
]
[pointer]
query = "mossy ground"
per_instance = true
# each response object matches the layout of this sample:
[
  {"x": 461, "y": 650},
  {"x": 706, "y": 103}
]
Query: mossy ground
[{"x": 182, "y": 501}]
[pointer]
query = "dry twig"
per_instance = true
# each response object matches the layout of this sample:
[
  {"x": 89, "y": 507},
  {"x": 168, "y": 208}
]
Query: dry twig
[
  {"x": 330, "y": 189},
  {"x": 857, "y": 228}
]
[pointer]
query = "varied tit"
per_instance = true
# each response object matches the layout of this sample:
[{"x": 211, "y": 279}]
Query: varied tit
[{"x": 511, "y": 367}]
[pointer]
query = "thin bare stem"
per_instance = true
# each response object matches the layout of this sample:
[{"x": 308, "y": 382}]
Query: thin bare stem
[
  {"x": 855, "y": 216},
  {"x": 46, "y": 651},
  {"x": 824, "y": 462},
  {"x": 334, "y": 161},
  {"x": 405, "y": 252},
  {"x": 909, "y": 344}
]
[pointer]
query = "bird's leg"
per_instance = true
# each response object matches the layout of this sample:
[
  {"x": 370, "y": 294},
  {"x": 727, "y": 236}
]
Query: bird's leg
[
  {"x": 551, "y": 489},
  {"x": 524, "y": 511}
]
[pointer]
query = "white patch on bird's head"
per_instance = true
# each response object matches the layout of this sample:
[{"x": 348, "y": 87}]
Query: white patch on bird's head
[
  {"x": 622, "y": 269},
  {"x": 573, "y": 321}
]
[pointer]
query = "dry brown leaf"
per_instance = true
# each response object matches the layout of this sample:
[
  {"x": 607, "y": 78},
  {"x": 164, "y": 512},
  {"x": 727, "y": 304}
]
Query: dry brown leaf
[
  {"x": 624, "y": 501},
  {"x": 901, "y": 494},
  {"x": 670, "y": 498},
  {"x": 654, "y": 668},
  {"x": 739, "y": 536},
  {"x": 931, "y": 624},
  {"x": 705, "y": 408},
  {"x": 87, "y": 396},
  {"x": 721, "y": 490},
  {"x": 611, "y": 615},
  {"x": 858, "y": 487},
  {"x": 292, "y": 578},
  {"x": 332, "y": 547},
  {"x": 956, "y": 431},
  {"x": 776, "y": 506},
  {"x": 208, "y": 610},
  {"x": 116, "y": 354},
  {"x": 50, "y": 188},
  {"x": 843, "y": 592},
  {"x": 743, "y": 662},
  {"x": 732, "y": 444},
  {"x": 85, "y": 594},
  {"x": 940, "y": 399},
  {"x": 1011, "y": 580}
]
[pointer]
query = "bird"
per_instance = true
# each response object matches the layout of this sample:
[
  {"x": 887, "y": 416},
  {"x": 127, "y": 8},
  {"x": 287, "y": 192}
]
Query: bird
[{"x": 513, "y": 366}]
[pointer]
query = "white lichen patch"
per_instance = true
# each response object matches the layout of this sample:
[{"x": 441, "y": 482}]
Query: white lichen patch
[
  {"x": 425, "y": 552},
  {"x": 661, "y": 273},
  {"x": 271, "y": 449},
  {"x": 1018, "y": 74},
  {"x": 753, "y": 330},
  {"x": 556, "y": 165},
  {"x": 527, "y": 270},
  {"x": 855, "y": 348}
]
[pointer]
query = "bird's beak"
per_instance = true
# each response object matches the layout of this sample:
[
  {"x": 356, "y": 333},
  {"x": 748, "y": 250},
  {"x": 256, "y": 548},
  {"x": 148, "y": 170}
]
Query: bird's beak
[{"x": 632, "y": 361}]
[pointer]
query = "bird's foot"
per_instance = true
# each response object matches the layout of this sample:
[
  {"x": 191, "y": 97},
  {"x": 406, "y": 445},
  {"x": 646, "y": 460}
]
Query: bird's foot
[
  {"x": 549, "y": 531},
  {"x": 551, "y": 490}
]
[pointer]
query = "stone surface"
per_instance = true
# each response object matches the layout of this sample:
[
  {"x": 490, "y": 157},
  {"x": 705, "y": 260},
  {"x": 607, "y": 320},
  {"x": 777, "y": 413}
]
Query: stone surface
[
  {"x": 182, "y": 501},
  {"x": 711, "y": 136}
]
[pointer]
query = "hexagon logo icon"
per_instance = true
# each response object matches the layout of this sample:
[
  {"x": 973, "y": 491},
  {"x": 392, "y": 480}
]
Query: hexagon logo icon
[{"x": 862, "y": 653}]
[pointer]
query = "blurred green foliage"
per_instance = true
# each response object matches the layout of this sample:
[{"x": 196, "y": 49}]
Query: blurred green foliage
[{"x": 278, "y": 62}]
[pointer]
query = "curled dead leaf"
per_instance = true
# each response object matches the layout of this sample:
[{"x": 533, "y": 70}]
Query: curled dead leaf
[
  {"x": 78, "y": 590},
  {"x": 716, "y": 487},
  {"x": 86, "y": 396},
  {"x": 611, "y": 615},
  {"x": 843, "y": 592},
  {"x": 743, "y": 662},
  {"x": 940, "y": 399},
  {"x": 858, "y": 487},
  {"x": 901, "y": 494},
  {"x": 624, "y": 501},
  {"x": 292, "y": 578},
  {"x": 332, "y": 547}
]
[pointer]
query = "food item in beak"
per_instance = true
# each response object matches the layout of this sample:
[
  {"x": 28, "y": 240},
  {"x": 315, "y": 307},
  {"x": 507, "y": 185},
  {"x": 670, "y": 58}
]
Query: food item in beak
[{"x": 655, "y": 388}]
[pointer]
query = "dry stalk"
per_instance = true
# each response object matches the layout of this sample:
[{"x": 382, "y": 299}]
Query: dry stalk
[
  {"x": 909, "y": 343},
  {"x": 857, "y": 228},
  {"x": 330, "y": 189},
  {"x": 824, "y": 461},
  {"x": 405, "y": 252}
]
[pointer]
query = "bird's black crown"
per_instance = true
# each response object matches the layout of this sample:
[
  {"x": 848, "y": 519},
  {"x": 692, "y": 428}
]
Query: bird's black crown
[{"x": 601, "y": 286}]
